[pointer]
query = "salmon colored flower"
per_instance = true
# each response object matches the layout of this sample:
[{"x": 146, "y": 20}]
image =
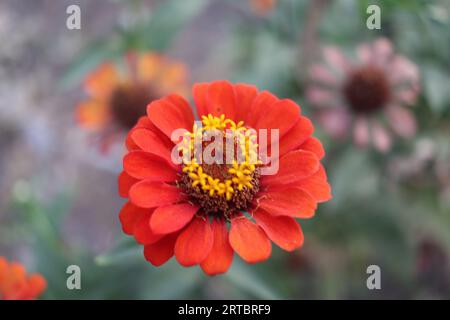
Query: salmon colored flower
[
  {"x": 360, "y": 96},
  {"x": 118, "y": 93},
  {"x": 16, "y": 284},
  {"x": 263, "y": 7},
  {"x": 202, "y": 212}
]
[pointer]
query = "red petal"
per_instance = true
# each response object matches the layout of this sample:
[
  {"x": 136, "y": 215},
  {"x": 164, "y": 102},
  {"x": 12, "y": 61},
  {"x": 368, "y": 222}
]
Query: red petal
[
  {"x": 221, "y": 99},
  {"x": 148, "y": 141},
  {"x": 143, "y": 123},
  {"x": 129, "y": 215},
  {"x": 168, "y": 117},
  {"x": 245, "y": 94},
  {"x": 200, "y": 93},
  {"x": 292, "y": 201},
  {"x": 151, "y": 194},
  {"x": 3, "y": 267},
  {"x": 317, "y": 185},
  {"x": 249, "y": 240},
  {"x": 282, "y": 115},
  {"x": 36, "y": 285},
  {"x": 221, "y": 255},
  {"x": 293, "y": 166},
  {"x": 261, "y": 103},
  {"x": 167, "y": 219},
  {"x": 129, "y": 143},
  {"x": 179, "y": 101},
  {"x": 125, "y": 183},
  {"x": 315, "y": 146},
  {"x": 160, "y": 252},
  {"x": 144, "y": 165},
  {"x": 142, "y": 231},
  {"x": 284, "y": 231},
  {"x": 183, "y": 107},
  {"x": 194, "y": 243},
  {"x": 296, "y": 136}
]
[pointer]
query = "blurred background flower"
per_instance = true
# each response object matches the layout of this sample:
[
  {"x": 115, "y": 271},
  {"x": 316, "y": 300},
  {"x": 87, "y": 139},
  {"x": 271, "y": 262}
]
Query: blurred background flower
[
  {"x": 263, "y": 7},
  {"x": 355, "y": 94},
  {"x": 16, "y": 284},
  {"x": 119, "y": 94},
  {"x": 58, "y": 195}
]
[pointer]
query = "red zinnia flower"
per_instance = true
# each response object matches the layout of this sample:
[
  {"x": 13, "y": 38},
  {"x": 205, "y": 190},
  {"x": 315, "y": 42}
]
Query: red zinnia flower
[
  {"x": 119, "y": 92},
  {"x": 185, "y": 210},
  {"x": 15, "y": 284}
]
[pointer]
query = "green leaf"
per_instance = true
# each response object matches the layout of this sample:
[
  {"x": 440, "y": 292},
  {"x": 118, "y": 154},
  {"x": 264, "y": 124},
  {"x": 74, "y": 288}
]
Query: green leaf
[
  {"x": 169, "y": 17},
  {"x": 171, "y": 281},
  {"x": 240, "y": 276},
  {"x": 352, "y": 177},
  {"x": 89, "y": 58},
  {"x": 157, "y": 34},
  {"x": 123, "y": 252},
  {"x": 436, "y": 83}
]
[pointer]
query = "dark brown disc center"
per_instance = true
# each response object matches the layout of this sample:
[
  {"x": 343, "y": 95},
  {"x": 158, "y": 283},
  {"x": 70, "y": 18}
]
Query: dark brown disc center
[
  {"x": 129, "y": 103},
  {"x": 367, "y": 89}
]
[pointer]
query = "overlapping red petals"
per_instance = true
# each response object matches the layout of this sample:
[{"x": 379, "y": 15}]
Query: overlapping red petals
[
  {"x": 161, "y": 217},
  {"x": 16, "y": 284}
]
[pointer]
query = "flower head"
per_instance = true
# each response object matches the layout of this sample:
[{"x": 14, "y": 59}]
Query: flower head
[
  {"x": 263, "y": 7},
  {"x": 118, "y": 93},
  {"x": 379, "y": 86},
  {"x": 16, "y": 284},
  {"x": 201, "y": 209}
]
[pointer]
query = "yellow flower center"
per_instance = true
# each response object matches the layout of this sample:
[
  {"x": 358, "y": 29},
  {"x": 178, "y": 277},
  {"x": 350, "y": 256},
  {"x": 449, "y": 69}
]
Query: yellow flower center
[{"x": 220, "y": 164}]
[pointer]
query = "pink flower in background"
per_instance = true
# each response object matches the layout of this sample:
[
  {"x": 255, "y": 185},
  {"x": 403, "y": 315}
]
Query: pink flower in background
[{"x": 367, "y": 98}]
